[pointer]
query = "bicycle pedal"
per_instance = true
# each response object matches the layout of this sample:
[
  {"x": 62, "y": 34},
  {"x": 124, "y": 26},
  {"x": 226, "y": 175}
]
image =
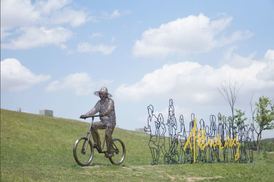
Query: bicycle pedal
[{"x": 97, "y": 148}]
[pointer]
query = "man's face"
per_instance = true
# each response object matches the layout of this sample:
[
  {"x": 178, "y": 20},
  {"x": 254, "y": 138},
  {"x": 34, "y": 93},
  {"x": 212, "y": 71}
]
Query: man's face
[{"x": 102, "y": 95}]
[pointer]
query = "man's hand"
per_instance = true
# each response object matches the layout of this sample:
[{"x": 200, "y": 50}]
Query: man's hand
[
  {"x": 147, "y": 129},
  {"x": 83, "y": 116},
  {"x": 102, "y": 115}
]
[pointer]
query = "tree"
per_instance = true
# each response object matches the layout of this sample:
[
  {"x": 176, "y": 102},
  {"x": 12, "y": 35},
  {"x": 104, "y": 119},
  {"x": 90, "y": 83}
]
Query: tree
[
  {"x": 240, "y": 118},
  {"x": 264, "y": 117},
  {"x": 229, "y": 91}
]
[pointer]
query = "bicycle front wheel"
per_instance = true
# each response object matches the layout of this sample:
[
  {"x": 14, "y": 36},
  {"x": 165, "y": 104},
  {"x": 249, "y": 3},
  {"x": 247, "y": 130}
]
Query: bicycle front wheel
[
  {"x": 119, "y": 152},
  {"x": 83, "y": 151}
]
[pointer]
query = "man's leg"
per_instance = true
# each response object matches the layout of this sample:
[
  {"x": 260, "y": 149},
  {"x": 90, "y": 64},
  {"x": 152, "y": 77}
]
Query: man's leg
[
  {"x": 108, "y": 135},
  {"x": 95, "y": 134}
]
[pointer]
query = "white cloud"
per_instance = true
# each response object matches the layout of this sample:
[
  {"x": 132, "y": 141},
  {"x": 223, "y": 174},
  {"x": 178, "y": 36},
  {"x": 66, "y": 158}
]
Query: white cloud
[
  {"x": 235, "y": 36},
  {"x": 235, "y": 60},
  {"x": 16, "y": 77},
  {"x": 44, "y": 19},
  {"x": 115, "y": 14},
  {"x": 85, "y": 47},
  {"x": 61, "y": 12},
  {"x": 21, "y": 13},
  {"x": 79, "y": 83},
  {"x": 37, "y": 37},
  {"x": 109, "y": 15},
  {"x": 186, "y": 35},
  {"x": 22, "y": 18},
  {"x": 70, "y": 16},
  {"x": 268, "y": 72},
  {"x": 197, "y": 84},
  {"x": 16, "y": 13},
  {"x": 49, "y": 6},
  {"x": 96, "y": 35},
  {"x": 269, "y": 54}
]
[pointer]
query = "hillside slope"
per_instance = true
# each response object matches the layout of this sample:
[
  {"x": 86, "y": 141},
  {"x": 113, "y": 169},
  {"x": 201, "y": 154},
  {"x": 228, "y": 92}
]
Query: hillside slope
[
  {"x": 31, "y": 143},
  {"x": 38, "y": 148}
]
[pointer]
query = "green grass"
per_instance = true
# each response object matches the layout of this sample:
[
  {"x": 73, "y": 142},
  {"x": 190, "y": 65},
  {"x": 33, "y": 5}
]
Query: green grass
[{"x": 37, "y": 148}]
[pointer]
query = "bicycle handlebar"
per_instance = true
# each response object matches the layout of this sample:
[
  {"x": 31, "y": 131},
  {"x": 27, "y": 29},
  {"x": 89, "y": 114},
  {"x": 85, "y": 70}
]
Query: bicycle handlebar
[{"x": 93, "y": 116}]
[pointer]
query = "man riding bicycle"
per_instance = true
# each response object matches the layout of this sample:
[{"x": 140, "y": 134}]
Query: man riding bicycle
[{"x": 105, "y": 107}]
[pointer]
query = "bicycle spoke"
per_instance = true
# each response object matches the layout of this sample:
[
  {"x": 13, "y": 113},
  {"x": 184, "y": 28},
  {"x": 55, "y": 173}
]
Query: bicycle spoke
[
  {"x": 83, "y": 152},
  {"x": 119, "y": 155}
]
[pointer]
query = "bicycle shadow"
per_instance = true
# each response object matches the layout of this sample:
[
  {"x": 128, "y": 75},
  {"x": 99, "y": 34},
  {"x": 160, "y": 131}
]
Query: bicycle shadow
[{"x": 99, "y": 164}]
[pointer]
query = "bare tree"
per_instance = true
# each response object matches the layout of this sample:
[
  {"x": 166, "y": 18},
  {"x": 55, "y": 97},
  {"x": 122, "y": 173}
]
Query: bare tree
[
  {"x": 229, "y": 91},
  {"x": 252, "y": 109}
]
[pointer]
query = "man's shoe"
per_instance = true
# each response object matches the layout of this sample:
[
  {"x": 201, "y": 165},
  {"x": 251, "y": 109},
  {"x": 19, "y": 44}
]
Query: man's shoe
[{"x": 108, "y": 155}]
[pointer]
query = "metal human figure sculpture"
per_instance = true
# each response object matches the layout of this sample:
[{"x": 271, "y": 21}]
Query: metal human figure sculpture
[
  {"x": 171, "y": 121},
  {"x": 172, "y": 155},
  {"x": 153, "y": 129},
  {"x": 222, "y": 132},
  {"x": 202, "y": 143},
  {"x": 213, "y": 125},
  {"x": 191, "y": 123},
  {"x": 105, "y": 107},
  {"x": 220, "y": 129},
  {"x": 211, "y": 135},
  {"x": 182, "y": 137},
  {"x": 162, "y": 130}
]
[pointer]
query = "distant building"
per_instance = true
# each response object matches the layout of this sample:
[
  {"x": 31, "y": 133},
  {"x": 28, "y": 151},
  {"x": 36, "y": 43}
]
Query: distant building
[
  {"x": 19, "y": 109},
  {"x": 46, "y": 112}
]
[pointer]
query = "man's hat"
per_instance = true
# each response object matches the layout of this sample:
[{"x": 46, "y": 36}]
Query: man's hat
[{"x": 103, "y": 90}]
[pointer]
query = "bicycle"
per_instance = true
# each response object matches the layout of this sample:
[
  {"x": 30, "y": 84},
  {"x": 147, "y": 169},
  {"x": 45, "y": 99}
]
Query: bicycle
[{"x": 83, "y": 149}]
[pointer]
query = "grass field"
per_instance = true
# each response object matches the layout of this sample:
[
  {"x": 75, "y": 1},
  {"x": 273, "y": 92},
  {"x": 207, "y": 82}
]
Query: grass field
[{"x": 38, "y": 148}]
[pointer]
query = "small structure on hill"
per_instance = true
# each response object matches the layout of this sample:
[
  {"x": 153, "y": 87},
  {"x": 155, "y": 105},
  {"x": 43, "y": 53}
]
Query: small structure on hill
[
  {"x": 140, "y": 130},
  {"x": 46, "y": 112},
  {"x": 19, "y": 109}
]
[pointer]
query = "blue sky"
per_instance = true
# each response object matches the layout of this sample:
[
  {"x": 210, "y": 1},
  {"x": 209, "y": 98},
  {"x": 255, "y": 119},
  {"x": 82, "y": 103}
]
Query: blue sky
[{"x": 55, "y": 54}]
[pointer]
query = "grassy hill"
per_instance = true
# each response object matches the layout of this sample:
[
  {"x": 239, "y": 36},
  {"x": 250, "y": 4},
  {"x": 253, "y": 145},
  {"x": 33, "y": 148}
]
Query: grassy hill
[
  {"x": 38, "y": 148},
  {"x": 268, "y": 144}
]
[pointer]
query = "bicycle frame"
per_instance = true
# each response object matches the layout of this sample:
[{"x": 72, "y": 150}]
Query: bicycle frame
[
  {"x": 89, "y": 135},
  {"x": 87, "y": 147}
]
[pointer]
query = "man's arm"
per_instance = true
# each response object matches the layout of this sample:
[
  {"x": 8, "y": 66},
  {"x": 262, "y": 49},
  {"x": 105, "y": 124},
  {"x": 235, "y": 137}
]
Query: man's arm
[{"x": 90, "y": 113}]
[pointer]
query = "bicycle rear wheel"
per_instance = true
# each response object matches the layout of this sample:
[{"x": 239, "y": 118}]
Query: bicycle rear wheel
[
  {"x": 83, "y": 151},
  {"x": 119, "y": 154}
]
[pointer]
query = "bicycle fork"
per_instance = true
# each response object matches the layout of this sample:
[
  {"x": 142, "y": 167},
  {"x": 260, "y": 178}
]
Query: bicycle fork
[
  {"x": 86, "y": 142},
  {"x": 85, "y": 145}
]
